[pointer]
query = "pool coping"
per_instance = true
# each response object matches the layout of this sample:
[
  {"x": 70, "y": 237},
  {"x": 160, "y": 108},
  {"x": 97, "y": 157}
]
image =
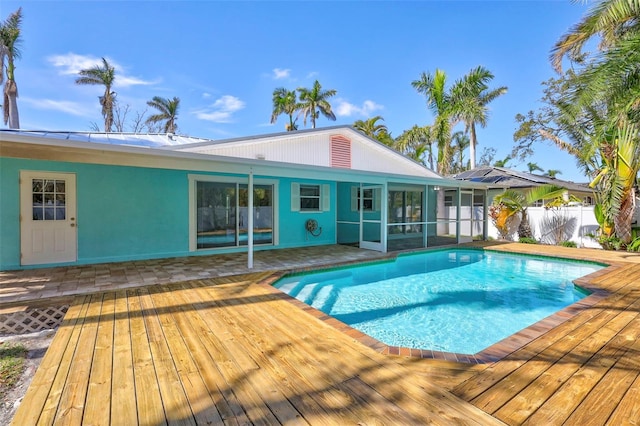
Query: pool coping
[{"x": 491, "y": 354}]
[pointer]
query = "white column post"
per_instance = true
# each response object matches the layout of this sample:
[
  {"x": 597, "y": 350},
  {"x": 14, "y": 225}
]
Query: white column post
[{"x": 250, "y": 222}]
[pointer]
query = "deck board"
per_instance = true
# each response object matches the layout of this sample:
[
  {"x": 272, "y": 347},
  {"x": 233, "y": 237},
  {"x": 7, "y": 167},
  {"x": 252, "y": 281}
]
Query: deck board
[{"x": 232, "y": 350}]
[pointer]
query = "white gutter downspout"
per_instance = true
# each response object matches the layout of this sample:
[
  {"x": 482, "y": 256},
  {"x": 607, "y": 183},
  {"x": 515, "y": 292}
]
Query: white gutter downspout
[{"x": 250, "y": 223}]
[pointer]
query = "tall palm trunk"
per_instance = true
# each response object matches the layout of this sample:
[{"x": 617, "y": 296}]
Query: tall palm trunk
[
  {"x": 472, "y": 146},
  {"x": 11, "y": 101},
  {"x": 524, "y": 229},
  {"x": 624, "y": 218}
]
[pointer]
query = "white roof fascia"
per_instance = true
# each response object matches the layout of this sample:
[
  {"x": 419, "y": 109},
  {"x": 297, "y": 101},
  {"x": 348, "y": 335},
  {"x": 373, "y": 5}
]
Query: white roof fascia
[{"x": 179, "y": 160}]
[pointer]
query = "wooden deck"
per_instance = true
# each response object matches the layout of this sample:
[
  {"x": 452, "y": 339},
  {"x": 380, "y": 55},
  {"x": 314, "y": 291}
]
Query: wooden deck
[{"x": 233, "y": 350}]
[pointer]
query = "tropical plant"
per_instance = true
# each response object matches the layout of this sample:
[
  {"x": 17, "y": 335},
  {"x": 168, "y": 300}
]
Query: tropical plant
[
  {"x": 460, "y": 142},
  {"x": 503, "y": 162},
  {"x": 552, "y": 173},
  {"x": 314, "y": 101},
  {"x": 466, "y": 100},
  {"x": 285, "y": 102},
  {"x": 502, "y": 217},
  {"x": 10, "y": 50},
  {"x": 375, "y": 130},
  {"x": 512, "y": 202},
  {"x": 471, "y": 97},
  {"x": 416, "y": 143},
  {"x": 433, "y": 87},
  {"x": 103, "y": 75},
  {"x": 370, "y": 126},
  {"x": 527, "y": 240},
  {"x": 611, "y": 20},
  {"x": 619, "y": 152},
  {"x": 571, "y": 244},
  {"x": 634, "y": 245},
  {"x": 533, "y": 167},
  {"x": 167, "y": 113}
]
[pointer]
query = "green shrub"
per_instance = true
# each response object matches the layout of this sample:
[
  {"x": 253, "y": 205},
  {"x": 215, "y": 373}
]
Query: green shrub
[
  {"x": 611, "y": 243},
  {"x": 12, "y": 357},
  {"x": 568, "y": 244},
  {"x": 527, "y": 240},
  {"x": 634, "y": 245}
]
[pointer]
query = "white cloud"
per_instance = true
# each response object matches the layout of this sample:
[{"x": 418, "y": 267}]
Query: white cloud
[
  {"x": 346, "y": 109},
  {"x": 313, "y": 74},
  {"x": 67, "y": 107},
  {"x": 206, "y": 95},
  {"x": 279, "y": 73},
  {"x": 221, "y": 110},
  {"x": 72, "y": 64}
]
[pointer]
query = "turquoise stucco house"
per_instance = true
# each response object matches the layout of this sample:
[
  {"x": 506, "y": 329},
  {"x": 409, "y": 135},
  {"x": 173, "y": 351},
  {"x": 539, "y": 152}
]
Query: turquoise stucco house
[{"x": 81, "y": 198}]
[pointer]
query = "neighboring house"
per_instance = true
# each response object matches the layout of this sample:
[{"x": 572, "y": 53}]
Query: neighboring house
[
  {"x": 80, "y": 198},
  {"x": 501, "y": 178},
  {"x": 574, "y": 222}
]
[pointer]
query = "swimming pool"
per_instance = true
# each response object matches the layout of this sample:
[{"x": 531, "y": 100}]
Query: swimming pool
[{"x": 457, "y": 300}]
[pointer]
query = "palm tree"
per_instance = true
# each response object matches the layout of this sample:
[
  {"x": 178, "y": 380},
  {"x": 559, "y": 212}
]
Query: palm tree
[
  {"x": 553, "y": 172},
  {"x": 612, "y": 20},
  {"x": 370, "y": 127},
  {"x": 616, "y": 179},
  {"x": 433, "y": 86},
  {"x": 168, "y": 112},
  {"x": 10, "y": 49},
  {"x": 460, "y": 143},
  {"x": 533, "y": 167},
  {"x": 471, "y": 97},
  {"x": 415, "y": 143},
  {"x": 512, "y": 202},
  {"x": 502, "y": 163},
  {"x": 314, "y": 102},
  {"x": 285, "y": 102},
  {"x": 102, "y": 75},
  {"x": 608, "y": 83}
]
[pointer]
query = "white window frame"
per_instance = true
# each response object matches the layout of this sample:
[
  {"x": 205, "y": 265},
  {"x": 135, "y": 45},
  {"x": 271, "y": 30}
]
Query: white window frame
[{"x": 324, "y": 202}]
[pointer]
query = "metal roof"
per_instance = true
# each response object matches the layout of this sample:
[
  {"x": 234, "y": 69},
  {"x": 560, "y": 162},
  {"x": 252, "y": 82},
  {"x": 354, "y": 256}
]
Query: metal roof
[
  {"x": 152, "y": 140},
  {"x": 516, "y": 179}
]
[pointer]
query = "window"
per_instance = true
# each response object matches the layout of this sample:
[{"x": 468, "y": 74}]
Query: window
[{"x": 309, "y": 197}]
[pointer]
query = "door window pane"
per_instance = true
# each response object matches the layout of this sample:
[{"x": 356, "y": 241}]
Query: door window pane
[{"x": 48, "y": 199}]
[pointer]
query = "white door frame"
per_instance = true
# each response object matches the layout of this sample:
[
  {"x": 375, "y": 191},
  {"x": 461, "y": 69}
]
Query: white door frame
[
  {"x": 48, "y": 231},
  {"x": 371, "y": 245}
]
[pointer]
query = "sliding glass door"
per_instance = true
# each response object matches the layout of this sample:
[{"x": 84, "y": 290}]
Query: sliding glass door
[{"x": 222, "y": 214}]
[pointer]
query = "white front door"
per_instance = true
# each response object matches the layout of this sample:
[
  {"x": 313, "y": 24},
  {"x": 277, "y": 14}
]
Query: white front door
[{"x": 48, "y": 232}]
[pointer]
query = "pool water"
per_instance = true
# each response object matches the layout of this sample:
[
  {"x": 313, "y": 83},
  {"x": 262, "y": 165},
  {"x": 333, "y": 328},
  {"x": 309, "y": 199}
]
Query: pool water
[{"x": 454, "y": 300}]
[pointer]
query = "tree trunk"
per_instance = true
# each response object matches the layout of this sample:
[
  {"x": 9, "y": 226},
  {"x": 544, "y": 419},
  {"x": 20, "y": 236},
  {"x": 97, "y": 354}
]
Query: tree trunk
[
  {"x": 524, "y": 229},
  {"x": 472, "y": 146},
  {"x": 624, "y": 218},
  {"x": 11, "y": 109}
]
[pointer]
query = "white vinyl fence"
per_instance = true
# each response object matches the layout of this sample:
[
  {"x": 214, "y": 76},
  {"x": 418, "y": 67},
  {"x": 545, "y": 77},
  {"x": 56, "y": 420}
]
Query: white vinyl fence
[{"x": 553, "y": 226}]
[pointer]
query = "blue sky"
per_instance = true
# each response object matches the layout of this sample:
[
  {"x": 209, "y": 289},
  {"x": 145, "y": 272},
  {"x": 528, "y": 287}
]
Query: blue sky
[{"x": 224, "y": 59}]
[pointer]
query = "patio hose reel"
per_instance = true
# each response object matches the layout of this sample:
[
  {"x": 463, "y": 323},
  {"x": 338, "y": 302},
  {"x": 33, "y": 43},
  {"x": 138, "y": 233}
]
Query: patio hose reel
[{"x": 311, "y": 226}]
